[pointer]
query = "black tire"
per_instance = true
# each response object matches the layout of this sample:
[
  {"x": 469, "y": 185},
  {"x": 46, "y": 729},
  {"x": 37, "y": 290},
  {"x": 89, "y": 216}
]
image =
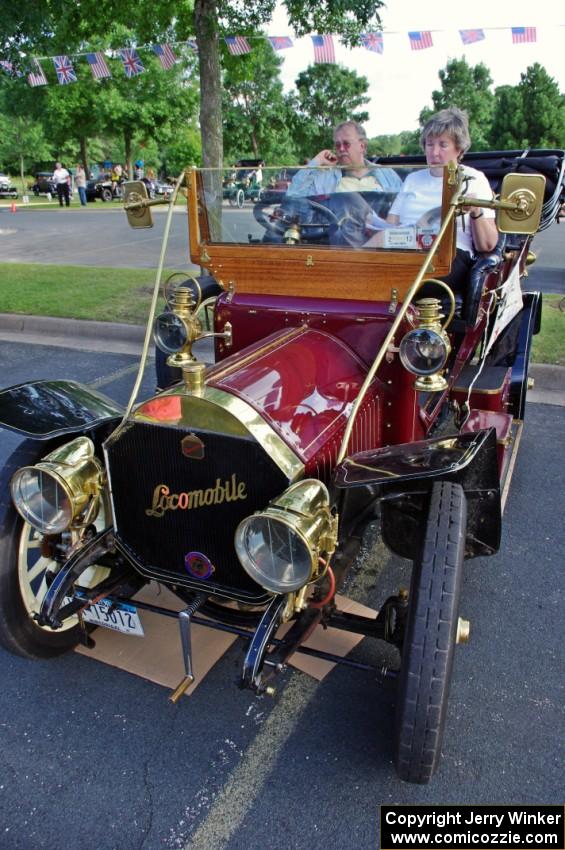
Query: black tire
[
  {"x": 20, "y": 594},
  {"x": 106, "y": 194},
  {"x": 429, "y": 643},
  {"x": 240, "y": 198}
]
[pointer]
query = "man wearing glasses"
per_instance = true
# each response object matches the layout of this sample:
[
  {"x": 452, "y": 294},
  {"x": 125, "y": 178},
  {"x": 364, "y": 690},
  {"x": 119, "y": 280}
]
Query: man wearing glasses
[{"x": 347, "y": 169}]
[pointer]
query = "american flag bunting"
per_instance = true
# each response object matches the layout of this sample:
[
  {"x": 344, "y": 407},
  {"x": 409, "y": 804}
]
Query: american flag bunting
[
  {"x": 279, "y": 42},
  {"x": 470, "y": 36},
  {"x": 237, "y": 45},
  {"x": 521, "y": 35},
  {"x": 65, "y": 71},
  {"x": 323, "y": 49},
  {"x": 132, "y": 63},
  {"x": 420, "y": 39},
  {"x": 165, "y": 55},
  {"x": 98, "y": 65},
  {"x": 372, "y": 41},
  {"x": 37, "y": 77}
]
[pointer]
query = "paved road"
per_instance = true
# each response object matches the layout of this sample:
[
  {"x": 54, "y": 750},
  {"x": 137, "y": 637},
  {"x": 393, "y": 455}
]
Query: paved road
[
  {"x": 92, "y": 757},
  {"x": 102, "y": 237}
]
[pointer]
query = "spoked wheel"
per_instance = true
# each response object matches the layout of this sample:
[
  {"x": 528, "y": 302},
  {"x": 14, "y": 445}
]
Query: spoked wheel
[
  {"x": 430, "y": 638},
  {"x": 25, "y": 573}
]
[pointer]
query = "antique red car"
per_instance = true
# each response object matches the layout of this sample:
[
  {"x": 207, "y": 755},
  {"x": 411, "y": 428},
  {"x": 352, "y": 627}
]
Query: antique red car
[{"x": 345, "y": 391}]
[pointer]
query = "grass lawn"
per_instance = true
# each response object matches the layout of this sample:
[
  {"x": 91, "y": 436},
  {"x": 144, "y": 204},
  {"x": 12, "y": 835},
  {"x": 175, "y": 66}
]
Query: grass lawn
[
  {"x": 549, "y": 345},
  {"x": 77, "y": 292},
  {"x": 124, "y": 295}
]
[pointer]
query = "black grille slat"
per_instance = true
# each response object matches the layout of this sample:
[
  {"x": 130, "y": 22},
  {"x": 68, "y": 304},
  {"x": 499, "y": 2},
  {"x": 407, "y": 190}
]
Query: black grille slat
[{"x": 144, "y": 456}]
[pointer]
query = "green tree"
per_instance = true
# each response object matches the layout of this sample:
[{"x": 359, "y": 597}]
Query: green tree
[
  {"x": 543, "y": 109},
  {"x": 257, "y": 119},
  {"x": 467, "y": 87},
  {"x": 22, "y": 142},
  {"x": 508, "y": 125},
  {"x": 179, "y": 20},
  {"x": 326, "y": 95}
]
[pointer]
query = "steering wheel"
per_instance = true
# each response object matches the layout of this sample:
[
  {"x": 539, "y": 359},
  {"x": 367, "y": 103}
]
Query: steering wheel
[
  {"x": 337, "y": 219},
  {"x": 311, "y": 218}
]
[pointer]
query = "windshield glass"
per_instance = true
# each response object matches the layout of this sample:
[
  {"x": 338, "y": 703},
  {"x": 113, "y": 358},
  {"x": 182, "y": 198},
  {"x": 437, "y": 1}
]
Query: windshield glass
[{"x": 369, "y": 208}]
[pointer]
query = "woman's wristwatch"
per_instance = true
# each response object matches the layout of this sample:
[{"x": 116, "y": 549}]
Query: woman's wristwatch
[{"x": 475, "y": 217}]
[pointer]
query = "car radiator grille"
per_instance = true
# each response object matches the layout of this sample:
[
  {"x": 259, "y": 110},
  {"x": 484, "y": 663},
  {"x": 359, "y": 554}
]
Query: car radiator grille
[{"x": 211, "y": 496}]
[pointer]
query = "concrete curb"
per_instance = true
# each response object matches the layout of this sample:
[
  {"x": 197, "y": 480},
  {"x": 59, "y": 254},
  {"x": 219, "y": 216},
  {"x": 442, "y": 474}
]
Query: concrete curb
[
  {"x": 73, "y": 333},
  {"x": 549, "y": 381}
]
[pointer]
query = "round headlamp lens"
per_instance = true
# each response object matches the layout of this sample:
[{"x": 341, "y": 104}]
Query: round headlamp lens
[
  {"x": 273, "y": 553},
  {"x": 423, "y": 352},
  {"x": 170, "y": 333},
  {"x": 41, "y": 500}
]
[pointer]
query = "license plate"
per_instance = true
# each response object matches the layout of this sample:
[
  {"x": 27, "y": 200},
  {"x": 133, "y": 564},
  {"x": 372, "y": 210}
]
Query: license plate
[{"x": 119, "y": 617}]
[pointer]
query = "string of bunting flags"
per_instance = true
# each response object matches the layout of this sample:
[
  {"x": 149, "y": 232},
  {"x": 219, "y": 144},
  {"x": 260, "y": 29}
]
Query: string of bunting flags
[{"x": 323, "y": 52}]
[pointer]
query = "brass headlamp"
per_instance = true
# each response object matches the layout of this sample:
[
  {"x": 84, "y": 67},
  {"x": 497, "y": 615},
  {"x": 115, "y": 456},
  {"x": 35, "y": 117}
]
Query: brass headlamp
[
  {"x": 280, "y": 547},
  {"x": 61, "y": 490}
]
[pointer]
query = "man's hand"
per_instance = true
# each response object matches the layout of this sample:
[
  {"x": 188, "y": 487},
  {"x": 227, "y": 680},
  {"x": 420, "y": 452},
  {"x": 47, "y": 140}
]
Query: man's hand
[{"x": 325, "y": 157}]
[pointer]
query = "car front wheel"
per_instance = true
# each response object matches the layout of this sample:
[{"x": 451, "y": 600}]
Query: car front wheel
[
  {"x": 26, "y": 571},
  {"x": 106, "y": 194},
  {"x": 430, "y": 637}
]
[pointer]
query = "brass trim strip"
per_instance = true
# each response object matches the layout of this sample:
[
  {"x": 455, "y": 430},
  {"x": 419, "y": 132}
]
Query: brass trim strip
[
  {"x": 249, "y": 358},
  {"x": 285, "y": 458},
  {"x": 510, "y": 469}
]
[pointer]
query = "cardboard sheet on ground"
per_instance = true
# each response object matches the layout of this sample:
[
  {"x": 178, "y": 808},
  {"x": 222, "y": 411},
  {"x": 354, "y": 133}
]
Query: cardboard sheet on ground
[{"x": 158, "y": 656}]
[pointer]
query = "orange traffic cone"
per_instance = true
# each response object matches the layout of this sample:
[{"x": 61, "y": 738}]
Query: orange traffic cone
[{"x": 13, "y": 207}]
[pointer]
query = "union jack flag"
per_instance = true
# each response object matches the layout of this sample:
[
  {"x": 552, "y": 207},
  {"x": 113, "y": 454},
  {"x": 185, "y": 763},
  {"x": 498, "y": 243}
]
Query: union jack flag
[
  {"x": 10, "y": 68},
  {"x": 65, "y": 71},
  {"x": 470, "y": 36},
  {"x": 132, "y": 63},
  {"x": 166, "y": 56},
  {"x": 37, "y": 77},
  {"x": 420, "y": 39},
  {"x": 280, "y": 42},
  {"x": 323, "y": 49},
  {"x": 373, "y": 41},
  {"x": 237, "y": 45},
  {"x": 520, "y": 35},
  {"x": 98, "y": 65}
]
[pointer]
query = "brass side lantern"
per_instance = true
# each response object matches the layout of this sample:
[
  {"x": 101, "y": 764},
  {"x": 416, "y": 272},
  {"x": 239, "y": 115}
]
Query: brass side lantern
[{"x": 424, "y": 350}]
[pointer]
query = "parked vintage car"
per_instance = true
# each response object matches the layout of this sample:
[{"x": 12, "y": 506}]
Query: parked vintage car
[
  {"x": 7, "y": 188},
  {"x": 342, "y": 393},
  {"x": 44, "y": 184},
  {"x": 239, "y": 184},
  {"x": 104, "y": 188}
]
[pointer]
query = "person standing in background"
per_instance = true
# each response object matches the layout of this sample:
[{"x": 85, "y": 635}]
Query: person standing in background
[
  {"x": 80, "y": 183},
  {"x": 62, "y": 180}
]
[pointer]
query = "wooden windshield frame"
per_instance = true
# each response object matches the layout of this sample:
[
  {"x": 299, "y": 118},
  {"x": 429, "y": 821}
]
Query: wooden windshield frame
[{"x": 310, "y": 270}]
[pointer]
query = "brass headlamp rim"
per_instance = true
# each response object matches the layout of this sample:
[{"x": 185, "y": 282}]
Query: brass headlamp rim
[
  {"x": 80, "y": 482},
  {"x": 186, "y": 327}
]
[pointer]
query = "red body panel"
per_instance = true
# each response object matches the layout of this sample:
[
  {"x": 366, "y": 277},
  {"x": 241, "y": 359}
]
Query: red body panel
[
  {"x": 304, "y": 382},
  {"x": 363, "y": 325}
]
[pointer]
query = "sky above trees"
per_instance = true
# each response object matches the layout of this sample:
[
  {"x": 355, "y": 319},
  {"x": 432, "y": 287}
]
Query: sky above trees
[{"x": 402, "y": 80}]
